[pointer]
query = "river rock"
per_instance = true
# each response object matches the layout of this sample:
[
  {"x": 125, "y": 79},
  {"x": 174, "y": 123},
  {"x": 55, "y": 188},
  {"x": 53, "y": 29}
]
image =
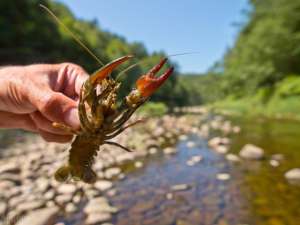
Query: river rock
[
  {"x": 169, "y": 150},
  {"x": 222, "y": 149},
  {"x": 180, "y": 187},
  {"x": 293, "y": 175},
  {"x": 112, "y": 172},
  {"x": 66, "y": 189},
  {"x": 63, "y": 199},
  {"x": 274, "y": 163},
  {"x": 70, "y": 208},
  {"x": 40, "y": 217},
  {"x": 232, "y": 157},
  {"x": 153, "y": 150},
  {"x": 28, "y": 206},
  {"x": 124, "y": 158},
  {"x": 138, "y": 164},
  {"x": 223, "y": 176},
  {"x": 251, "y": 151},
  {"x": 103, "y": 185},
  {"x": 3, "y": 208},
  {"x": 97, "y": 218},
  {"x": 11, "y": 167},
  {"x": 191, "y": 144}
]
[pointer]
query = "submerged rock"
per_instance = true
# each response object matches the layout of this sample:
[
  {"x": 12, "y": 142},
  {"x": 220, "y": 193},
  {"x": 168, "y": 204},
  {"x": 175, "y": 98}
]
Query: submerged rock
[
  {"x": 180, "y": 187},
  {"x": 251, "y": 151},
  {"x": 232, "y": 157},
  {"x": 293, "y": 175}
]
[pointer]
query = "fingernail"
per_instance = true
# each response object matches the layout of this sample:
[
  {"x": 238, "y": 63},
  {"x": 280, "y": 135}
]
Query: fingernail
[{"x": 72, "y": 118}]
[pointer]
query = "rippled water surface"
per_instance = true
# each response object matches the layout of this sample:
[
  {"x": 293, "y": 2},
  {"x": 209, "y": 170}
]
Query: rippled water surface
[{"x": 256, "y": 192}]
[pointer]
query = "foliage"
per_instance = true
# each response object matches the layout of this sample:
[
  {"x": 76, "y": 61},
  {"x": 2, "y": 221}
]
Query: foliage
[
  {"x": 153, "y": 109},
  {"x": 29, "y": 35}
]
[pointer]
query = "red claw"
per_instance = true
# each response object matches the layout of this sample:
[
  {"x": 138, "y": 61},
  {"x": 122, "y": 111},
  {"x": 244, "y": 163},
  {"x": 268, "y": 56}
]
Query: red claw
[{"x": 148, "y": 83}]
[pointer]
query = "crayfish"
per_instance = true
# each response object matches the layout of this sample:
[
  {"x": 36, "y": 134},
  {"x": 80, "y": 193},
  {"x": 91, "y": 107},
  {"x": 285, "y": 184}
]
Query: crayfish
[{"x": 102, "y": 118}]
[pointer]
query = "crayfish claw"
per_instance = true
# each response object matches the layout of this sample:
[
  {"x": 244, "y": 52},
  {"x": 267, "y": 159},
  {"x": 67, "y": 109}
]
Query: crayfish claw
[{"x": 103, "y": 72}]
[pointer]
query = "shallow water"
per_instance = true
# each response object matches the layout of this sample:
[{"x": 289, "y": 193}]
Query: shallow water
[
  {"x": 143, "y": 194},
  {"x": 256, "y": 192}
]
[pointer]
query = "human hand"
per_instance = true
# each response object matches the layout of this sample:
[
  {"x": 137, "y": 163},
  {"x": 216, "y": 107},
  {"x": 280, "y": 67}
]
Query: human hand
[{"x": 33, "y": 97}]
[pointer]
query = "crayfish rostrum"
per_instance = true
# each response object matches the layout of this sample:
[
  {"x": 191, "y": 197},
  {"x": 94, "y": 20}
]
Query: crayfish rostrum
[{"x": 101, "y": 118}]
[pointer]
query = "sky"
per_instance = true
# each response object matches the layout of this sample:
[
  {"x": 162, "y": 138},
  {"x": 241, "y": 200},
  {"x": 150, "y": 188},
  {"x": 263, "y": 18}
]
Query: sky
[{"x": 174, "y": 26}]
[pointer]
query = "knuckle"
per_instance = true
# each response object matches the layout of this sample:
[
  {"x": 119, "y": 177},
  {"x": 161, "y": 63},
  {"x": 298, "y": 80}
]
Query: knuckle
[{"x": 49, "y": 102}]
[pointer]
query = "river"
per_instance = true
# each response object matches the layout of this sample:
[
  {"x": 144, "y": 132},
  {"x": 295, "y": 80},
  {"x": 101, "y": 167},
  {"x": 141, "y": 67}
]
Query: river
[{"x": 216, "y": 191}]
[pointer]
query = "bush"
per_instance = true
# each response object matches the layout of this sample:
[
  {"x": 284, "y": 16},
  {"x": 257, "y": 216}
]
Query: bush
[{"x": 153, "y": 109}]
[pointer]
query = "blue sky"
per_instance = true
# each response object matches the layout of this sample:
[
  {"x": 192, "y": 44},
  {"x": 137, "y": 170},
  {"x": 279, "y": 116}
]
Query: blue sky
[{"x": 174, "y": 26}]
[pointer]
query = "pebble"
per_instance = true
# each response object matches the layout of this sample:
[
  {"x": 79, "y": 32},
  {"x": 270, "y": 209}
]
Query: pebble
[
  {"x": 97, "y": 218},
  {"x": 183, "y": 137},
  {"x": 223, "y": 176},
  {"x": 40, "y": 217},
  {"x": 180, "y": 187},
  {"x": 103, "y": 185},
  {"x": 66, "y": 189},
  {"x": 293, "y": 174},
  {"x": 169, "y": 150},
  {"x": 222, "y": 149},
  {"x": 112, "y": 172},
  {"x": 251, "y": 151},
  {"x": 70, "y": 208},
  {"x": 152, "y": 150},
  {"x": 3, "y": 208},
  {"x": 169, "y": 196},
  {"x": 274, "y": 163},
  {"x": 191, "y": 144},
  {"x": 138, "y": 164},
  {"x": 232, "y": 157}
]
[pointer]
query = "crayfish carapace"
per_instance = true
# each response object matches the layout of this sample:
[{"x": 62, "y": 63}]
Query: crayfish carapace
[{"x": 102, "y": 119}]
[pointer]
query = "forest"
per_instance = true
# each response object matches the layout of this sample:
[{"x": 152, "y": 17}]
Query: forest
[{"x": 261, "y": 70}]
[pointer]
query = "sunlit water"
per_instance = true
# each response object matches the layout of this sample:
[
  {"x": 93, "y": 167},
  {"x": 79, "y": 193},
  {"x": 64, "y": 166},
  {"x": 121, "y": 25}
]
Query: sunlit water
[{"x": 256, "y": 192}]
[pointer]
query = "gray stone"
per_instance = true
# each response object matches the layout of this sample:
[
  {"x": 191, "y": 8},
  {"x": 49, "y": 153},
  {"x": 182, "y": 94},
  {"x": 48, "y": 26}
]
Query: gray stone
[
  {"x": 40, "y": 217},
  {"x": 250, "y": 151}
]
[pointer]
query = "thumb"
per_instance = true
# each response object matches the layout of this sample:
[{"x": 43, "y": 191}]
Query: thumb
[{"x": 57, "y": 107}]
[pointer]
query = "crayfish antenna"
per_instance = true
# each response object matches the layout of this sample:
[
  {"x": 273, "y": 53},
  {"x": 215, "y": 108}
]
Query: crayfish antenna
[{"x": 118, "y": 145}]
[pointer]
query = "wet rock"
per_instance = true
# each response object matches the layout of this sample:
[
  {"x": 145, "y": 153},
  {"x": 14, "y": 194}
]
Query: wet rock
[
  {"x": 103, "y": 185},
  {"x": 274, "y": 163},
  {"x": 28, "y": 206},
  {"x": 138, "y": 164},
  {"x": 222, "y": 149},
  {"x": 49, "y": 195},
  {"x": 250, "y": 151},
  {"x": 180, "y": 187},
  {"x": 223, "y": 176},
  {"x": 153, "y": 150},
  {"x": 40, "y": 217},
  {"x": 191, "y": 144},
  {"x": 99, "y": 205},
  {"x": 66, "y": 189},
  {"x": 112, "y": 172},
  {"x": 194, "y": 160},
  {"x": 277, "y": 157},
  {"x": 232, "y": 157},
  {"x": 293, "y": 175},
  {"x": 183, "y": 137},
  {"x": 124, "y": 158},
  {"x": 97, "y": 218},
  {"x": 43, "y": 184},
  {"x": 169, "y": 150}
]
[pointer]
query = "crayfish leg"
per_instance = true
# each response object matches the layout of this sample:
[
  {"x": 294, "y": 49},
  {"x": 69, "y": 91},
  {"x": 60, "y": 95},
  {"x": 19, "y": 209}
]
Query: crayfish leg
[{"x": 62, "y": 174}]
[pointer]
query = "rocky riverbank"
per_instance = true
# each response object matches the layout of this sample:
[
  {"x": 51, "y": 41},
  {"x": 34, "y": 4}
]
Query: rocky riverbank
[{"x": 30, "y": 195}]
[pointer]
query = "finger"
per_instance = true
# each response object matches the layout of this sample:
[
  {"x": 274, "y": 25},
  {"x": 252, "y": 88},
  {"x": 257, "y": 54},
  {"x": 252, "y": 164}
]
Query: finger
[
  {"x": 57, "y": 107},
  {"x": 50, "y": 137},
  {"x": 44, "y": 124},
  {"x": 15, "y": 121},
  {"x": 70, "y": 79}
]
